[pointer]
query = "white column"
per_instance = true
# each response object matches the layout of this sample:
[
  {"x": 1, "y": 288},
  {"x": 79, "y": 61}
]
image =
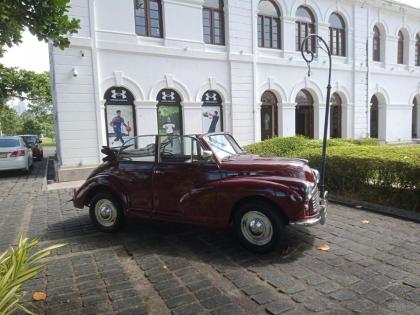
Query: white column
[
  {"x": 287, "y": 118},
  {"x": 411, "y": 53},
  {"x": 347, "y": 121},
  {"x": 288, "y": 36},
  {"x": 257, "y": 116},
  {"x": 227, "y": 117},
  {"x": 146, "y": 117},
  {"x": 103, "y": 124},
  {"x": 319, "y": 119},
  {"x": 192, "y": 120}
]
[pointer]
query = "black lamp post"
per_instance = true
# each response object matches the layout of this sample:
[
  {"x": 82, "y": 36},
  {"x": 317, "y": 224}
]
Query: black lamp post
[{"x": 315, "y": 41}]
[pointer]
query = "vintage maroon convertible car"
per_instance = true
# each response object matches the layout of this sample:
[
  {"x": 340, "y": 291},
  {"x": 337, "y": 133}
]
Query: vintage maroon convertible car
[{"x": 203, "y": 179}]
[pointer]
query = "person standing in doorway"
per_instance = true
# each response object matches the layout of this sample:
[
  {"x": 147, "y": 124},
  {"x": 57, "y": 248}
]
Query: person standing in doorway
[
  {"x": 214, "y": 120},
  {"x": 169, "y": 127},
  {"x": 117, "y": 123}
]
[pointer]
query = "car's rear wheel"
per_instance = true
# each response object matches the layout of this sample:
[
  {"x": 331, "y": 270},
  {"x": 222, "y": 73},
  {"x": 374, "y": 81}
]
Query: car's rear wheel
[
  {"x": 106, "y": 212},
  {"x": 259, "y": 227}
]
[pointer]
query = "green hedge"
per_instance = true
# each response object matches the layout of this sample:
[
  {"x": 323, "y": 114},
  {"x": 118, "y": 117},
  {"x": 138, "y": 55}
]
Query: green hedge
[{"x": 359, "y": 169}]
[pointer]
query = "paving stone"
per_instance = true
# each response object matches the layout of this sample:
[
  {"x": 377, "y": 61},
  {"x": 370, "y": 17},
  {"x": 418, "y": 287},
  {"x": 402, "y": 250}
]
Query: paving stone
[
  {"x": 207, "y": 293},
  {"x": 378, "y": 296},
  {"x": 230, "y": 309},
  {"x": 362, "y": 287},
  {"x": 344, "y": 295},
  {"x": 317, "y": 305},
  {"x": 265, "y": 297},
  {"x": 179, "y": 300},
  {"x": 359, "y": 305},
  {"x": 173, "y": 292},
  {"x": 199, "y": 285},
  {"x": 279, "y": 307},
  {"x": 189, "y": 309},
  {"x": 413, "y": 282},
  {"x": 400, "y": 305},
  {"x": 327, "y": 287},
  {"x": 254, "y": 289},
  {"x": 215, "y": 302}
]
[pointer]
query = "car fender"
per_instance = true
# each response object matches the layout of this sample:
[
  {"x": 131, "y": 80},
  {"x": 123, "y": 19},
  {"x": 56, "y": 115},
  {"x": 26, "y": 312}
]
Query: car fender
[
  {"x": 92, "y": 185},
  {"x": 235, "y": 189}
]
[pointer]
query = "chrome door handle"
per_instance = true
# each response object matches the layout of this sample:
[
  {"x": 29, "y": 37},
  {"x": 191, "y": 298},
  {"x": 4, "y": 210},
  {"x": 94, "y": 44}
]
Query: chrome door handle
[{"x": 159, "y": 172}]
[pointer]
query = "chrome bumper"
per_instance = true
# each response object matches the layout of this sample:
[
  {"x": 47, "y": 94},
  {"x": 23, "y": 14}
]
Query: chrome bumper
[{"x": 321, "y": 218}]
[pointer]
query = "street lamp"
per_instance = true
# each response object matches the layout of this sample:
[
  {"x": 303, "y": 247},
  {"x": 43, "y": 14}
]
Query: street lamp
[{"x": 315, "y": 41}]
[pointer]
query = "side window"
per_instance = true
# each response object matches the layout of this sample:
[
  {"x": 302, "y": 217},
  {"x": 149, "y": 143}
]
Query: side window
[
  {"x": 179, "y": 149},
  {"x": 139, "y": 149}
]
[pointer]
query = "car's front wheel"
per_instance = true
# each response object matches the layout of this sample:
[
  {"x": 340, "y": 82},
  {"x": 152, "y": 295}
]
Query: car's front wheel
[
  {"x": 106, "y": 212},
  {"x": 259, "y": 227}
]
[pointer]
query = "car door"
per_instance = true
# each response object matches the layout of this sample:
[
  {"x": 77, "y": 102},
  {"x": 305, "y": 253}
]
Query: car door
[
  {"x": 135, "y": 173},
  {"x": 184, "y": 183}
]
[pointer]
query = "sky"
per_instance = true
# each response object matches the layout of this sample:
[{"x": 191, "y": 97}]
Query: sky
[{"x": 33, "y": 55}]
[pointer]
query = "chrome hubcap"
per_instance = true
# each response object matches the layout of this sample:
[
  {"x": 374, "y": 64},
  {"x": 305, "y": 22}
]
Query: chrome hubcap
[
  {"x": 105, "y": 212},
  {"x": 256, "y": 227}
]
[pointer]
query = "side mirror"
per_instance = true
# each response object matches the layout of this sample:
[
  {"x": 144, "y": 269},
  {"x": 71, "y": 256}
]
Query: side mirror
[{"x": 39, "y": 141}]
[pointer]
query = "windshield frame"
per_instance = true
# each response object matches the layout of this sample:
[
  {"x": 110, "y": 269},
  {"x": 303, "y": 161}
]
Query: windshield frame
[{"x": 235, "y": 146}]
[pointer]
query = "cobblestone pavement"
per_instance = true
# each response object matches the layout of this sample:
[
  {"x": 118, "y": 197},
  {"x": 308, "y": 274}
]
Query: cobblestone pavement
[{"x": 151, "y": 268}]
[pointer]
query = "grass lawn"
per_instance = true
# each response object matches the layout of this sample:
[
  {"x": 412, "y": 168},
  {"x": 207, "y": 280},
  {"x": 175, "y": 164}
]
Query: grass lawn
[{"x": 48, "y": 142}]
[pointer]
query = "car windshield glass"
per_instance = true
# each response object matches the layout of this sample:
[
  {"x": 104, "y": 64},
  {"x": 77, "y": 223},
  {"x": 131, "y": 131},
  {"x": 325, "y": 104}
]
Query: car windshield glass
[
  {"x": 9, "y": 143},
  {"x": 30, "y": 139},
  {"x": 223, "y": 145}
]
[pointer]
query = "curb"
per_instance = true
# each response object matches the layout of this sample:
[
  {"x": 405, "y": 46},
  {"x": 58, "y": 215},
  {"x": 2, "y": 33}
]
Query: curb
[{"x": 367, "y": 206}]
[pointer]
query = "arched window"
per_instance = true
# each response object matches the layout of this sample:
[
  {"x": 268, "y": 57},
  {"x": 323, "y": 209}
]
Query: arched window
[
  {"x": 269, "y": 117},
  {"x": 336, "y": 114},
  {"x": 213, "y": 22},
  {"x": 305, "y": 25},
  {"x": 149, "y": 18},
  {"x": 119, "y": 116},
  {"x": 212, "y": 112},
  {"x": 169, "y": 113},
  {"x": 374, "y": 117},
  {"x": 376, "y": 45},
  {"x": 400, "y": 48},
  {"x": 418, "y": 50},
  {"x": 415, "y": 121},
  {"x": 304, "y": 119},
  {"x": 337, "y": 35},
  {"x": 268, "y": 25}
]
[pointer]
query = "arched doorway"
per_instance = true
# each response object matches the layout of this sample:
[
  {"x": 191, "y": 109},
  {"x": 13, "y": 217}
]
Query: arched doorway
[
  {"x": 212, "y": 112},
  {"x": 415, "y": 122},
  {"x": 304, "y": 117},
  {"x": 269, "y": 117},
  {"x": 119, "y": 116},
  {"x": 169, "y": 112},
  {"x": 374, "y": 117},
  {"x": 336, "y": 116}
]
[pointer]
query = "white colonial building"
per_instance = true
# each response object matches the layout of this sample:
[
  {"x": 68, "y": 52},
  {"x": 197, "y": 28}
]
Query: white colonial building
[{"x": 192, "y": 66}]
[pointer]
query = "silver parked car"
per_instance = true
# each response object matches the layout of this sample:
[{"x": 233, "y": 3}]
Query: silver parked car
[{"x": 15, "y": 154}]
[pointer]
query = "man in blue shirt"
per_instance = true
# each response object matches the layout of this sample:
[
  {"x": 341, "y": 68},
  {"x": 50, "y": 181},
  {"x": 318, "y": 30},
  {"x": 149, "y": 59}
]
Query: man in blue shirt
[{"x": 117, "y": 123}]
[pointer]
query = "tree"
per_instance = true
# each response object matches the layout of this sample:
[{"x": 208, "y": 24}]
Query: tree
[
  {"x": 10, "y": 122},
  {"x": 46, "y": 19},
  {"x": 24, "y": 84},
  {"x": 35, "y": 89}
]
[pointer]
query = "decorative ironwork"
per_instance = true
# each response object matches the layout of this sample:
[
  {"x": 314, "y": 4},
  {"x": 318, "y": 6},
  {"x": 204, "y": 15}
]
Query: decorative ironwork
[{"x": 309, "y": 57}]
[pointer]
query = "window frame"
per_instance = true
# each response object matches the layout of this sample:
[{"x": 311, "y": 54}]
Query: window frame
[
  {"x": 147, "y": 17},
  {"x": 260, "y": 22},
  {"x": 211, "y": 12},
  {"x": 376, "y": 42},
  {"x": 340, "y": 47},
  {"x": 401, "y": 48},
  {"x": 200, "y": 150},
  {"x": 301, "y": 23}
]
